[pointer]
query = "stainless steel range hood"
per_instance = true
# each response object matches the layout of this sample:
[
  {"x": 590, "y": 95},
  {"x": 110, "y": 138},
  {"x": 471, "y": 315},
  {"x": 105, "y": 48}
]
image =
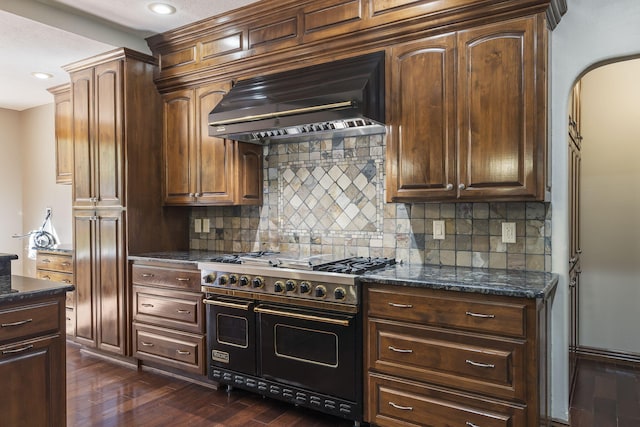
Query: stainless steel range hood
[{"x": 340, "y": 98}]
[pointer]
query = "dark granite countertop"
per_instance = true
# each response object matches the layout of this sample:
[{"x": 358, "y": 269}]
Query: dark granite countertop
[
  {"x": 176, "y": 256},
  {"x": 64, "y": 248},
  {"x": 24, "y": 288},
  {"x": 515, "y": 283}
]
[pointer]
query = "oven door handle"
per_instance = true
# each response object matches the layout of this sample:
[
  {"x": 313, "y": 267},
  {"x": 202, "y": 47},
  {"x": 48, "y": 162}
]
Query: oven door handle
[
  {"x": 340, "y": 322},
  {"x": 227, "y": 304}
]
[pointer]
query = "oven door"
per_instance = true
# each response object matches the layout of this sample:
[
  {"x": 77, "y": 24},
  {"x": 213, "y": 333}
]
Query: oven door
[
  {"x": 311, "y": 349},
  {"x": 231, "y": 335}
]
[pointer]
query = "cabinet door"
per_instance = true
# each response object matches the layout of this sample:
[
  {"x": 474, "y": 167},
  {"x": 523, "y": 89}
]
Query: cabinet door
[
  {"x": 178, "y": 137},
  {"x": 214, "y": 156},
  {"x": 421, "y": 146},
  {"x": 83, "y": 238},
  {"x": 83, "y": 122},
  {"x": 501, "y": 149},
  {"x": 64, "y": 137},
  {"x": 108, "y": 134},
  {"x": 249, "y": 176}
]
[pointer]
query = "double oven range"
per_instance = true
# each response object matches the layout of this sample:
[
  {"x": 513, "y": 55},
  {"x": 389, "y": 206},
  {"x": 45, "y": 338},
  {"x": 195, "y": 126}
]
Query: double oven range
[{"x": 288, "y": 328}]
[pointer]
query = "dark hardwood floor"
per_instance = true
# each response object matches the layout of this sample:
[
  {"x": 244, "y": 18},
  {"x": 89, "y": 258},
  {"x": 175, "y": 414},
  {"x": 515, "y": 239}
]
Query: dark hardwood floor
[
  {"x": 606, "y": 395},
  {"x": 103, "y": 394}
]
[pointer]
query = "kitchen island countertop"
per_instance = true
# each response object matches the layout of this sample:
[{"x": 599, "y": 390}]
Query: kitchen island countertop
[{"x": 25, "y": 288}]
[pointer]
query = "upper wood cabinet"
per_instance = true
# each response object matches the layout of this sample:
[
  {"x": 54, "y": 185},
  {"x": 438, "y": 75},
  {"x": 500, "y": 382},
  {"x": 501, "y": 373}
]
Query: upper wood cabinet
[
  {"x": 200, "y": 169},
  {"x": 63, "y": 133},
  {"x": 488, "y": 84}
]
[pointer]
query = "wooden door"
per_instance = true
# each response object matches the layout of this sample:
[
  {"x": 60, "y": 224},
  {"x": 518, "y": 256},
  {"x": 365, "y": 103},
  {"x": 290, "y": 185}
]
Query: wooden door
[
  {"x": 84, "y": 256},
  {"x": 178, "y": 140},
  {"x": 83, "y": 126},
  {"x": 108, "y": 138},
  {"x": 421, "y": 145},
  {"x": 249, "y": 176},
  {"x": 501, "y": 149},
  {"x": 214, "y": 156}
]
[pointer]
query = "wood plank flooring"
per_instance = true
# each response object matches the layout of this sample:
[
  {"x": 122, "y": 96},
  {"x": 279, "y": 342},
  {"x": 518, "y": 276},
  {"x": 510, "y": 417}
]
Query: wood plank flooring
[
  {"x": 606, "y": 395},
  {"x": 102, "y": 394}
]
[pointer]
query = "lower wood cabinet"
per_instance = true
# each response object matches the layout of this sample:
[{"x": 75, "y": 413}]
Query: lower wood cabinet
[
  {"x": 168, "y": 316},
  {"x": 57, "y": 266},
  {"x": 453, "y": 358}
]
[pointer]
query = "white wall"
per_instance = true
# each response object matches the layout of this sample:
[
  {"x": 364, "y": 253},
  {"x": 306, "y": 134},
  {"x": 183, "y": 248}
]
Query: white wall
[
  {"x": 610, "y": 281},
  {"x": 11, "y": 186},
  {"x": 592, "y": 31},
  {"x": 39, "y": 177}
]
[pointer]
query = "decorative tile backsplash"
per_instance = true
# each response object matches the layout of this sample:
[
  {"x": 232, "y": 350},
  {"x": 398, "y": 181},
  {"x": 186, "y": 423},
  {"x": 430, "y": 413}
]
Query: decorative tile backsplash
[{"x": 328, "y": 197}]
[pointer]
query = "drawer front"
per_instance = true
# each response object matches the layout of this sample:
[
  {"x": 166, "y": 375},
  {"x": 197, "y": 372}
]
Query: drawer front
[
  {"x": 30, "y": 320},
  {"x": 177, "y": 349},
  {"x": 169, "y": 308},
  {"x": 70, "y": 318},
  {"x": 394, "y": 402},
  {"x": 168, "y": 277},
  {"x": 55, "y": 276},
  {"x": 462, "y": 312},
  {"x": 474, "y": 363},
  {"x": 55, "y": 262}
]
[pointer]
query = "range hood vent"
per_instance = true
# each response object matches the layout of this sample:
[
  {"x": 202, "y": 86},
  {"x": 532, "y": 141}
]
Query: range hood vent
[{"x": 340, "y": 98}]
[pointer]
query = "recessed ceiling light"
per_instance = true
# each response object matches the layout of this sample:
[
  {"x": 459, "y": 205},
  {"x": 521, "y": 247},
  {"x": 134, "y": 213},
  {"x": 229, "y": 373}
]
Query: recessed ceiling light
[
  {"x": 162, "y": 8},
  {"x": 40, "y": 75}
]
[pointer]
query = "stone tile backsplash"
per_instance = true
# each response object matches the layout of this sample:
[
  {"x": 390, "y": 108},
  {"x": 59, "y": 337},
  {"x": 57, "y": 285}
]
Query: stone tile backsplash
[{"x": 328, "y": 197}]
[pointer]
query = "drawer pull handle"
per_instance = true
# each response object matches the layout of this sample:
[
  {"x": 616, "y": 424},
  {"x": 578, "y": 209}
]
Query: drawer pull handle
[
  {"x": 66, "y": 281},
  {"x": 20, "y": 323},
  {"x": 46, "y": 261},
  {"x": 18, "y": 350},
  {"x": 393, "y": 304},
  {"x": 146, "y": 304},
  {"x": 146, "y": 344},
  {"x": 182, "y": 279},
  {"x": 184, "y": 311},
  {"x": 402, "y": 408},
  {"x": 147, "y": 275},
  {"x": 183, "y": 352},
  {"x": 46, "y": 277},
  {"x": 484, "y": 316},
  {"x": 470, "y": 424},
  {"x": 400, "y": 350},
  {"x": 480, "y": 365},
  {"x": 65, "y": 264}
]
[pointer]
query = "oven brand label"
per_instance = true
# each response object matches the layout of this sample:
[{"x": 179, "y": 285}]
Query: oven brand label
[{"x": 220, "y": 356}]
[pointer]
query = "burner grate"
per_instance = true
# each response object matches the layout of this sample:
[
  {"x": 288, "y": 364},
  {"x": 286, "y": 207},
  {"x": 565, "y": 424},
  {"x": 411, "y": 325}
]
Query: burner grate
[{"x": 355, "y": 265}]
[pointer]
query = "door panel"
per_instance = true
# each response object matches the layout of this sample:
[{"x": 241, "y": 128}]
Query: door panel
[
  {"x": 83, "y": 237},
  {"x": 178, "y": 139},
  {"x": 82, "y": 95}
]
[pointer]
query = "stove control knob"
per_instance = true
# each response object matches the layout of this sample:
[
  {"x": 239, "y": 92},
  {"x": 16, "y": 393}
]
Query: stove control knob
[
  {"x": 340, "y": 293},
  {"x": 278, "y": 287},
  {"x": 244, "y": 280},
  {"x": 223, "y": 280},
  {"x": 290, "y": 285},
  {"x": 233, "y": 279},
  {"x": 321, "y": 291},
  {"x": 210, "y": 278},
  {"x": 257, "y": 282},
  {"x": 305, "y": 287}
]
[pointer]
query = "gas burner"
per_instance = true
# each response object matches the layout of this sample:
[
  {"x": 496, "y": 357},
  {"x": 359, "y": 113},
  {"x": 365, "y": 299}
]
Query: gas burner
[
  {"x": 355, "y": 265},
  {"x": 237, "y": 258}
]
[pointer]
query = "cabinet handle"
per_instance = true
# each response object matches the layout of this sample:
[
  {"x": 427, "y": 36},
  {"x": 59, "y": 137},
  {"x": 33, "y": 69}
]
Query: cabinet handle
[
  {"x": 66, "y": 281},
  {"x": 20, "y": 323},
  {"x": 69, "y": 318},
  {"x": 146, "y": 344},
  {"x": 572, "y": 284},
  {"x": 65, "y": 264},
  {"x": 483, "y": 316},
  {"x": 147, "y": 275},
  {"x": 18, "y": 350},
  {"x": 146, "y": 304},
  {"x": 46, "y": 278},
  {"x": 402, "y": 408},
  {"x": 461, "y": 186},
  {"x": 192, "y": 194},
  {"x": 393, "y": 304},
  {"x": 573, "y": 260},
  {"x": 470, "y": 424},
  {"x": 480, "y": 365},
  {"x": 449, "y": 187},
  {"x": 46, "y": 261},
  {"x": 400, "y": 350},
  {"x": 183, "y": 352},
  {"x": 182, "y": 279},
  {"x": 198, "y": 194},
  {"x": 184, "y": 311}
]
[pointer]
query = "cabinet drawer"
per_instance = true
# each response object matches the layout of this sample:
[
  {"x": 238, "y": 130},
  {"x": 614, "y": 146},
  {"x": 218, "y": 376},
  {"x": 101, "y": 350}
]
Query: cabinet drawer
[
  {"x": 462, "y": 312},
  {"x": 30, "y": 320},
  {"x": 177, "y": 349},
  {"x": 55, "y": 276},
  {"x": 55, "y": 262},
  {"x": 169, "y": 277},
  {"x": 395, "y": 402},
  {"x": 169, "y": 308},
  {"x": 451, "y": 358}
]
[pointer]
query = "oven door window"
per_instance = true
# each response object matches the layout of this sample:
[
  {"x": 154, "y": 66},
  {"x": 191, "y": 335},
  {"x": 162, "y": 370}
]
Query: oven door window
[
  {"x": 313, "y": 346},
  {"x": 232, "y": 330}
]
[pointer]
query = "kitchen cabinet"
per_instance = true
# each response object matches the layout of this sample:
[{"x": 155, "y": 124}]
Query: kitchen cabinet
[
  {"x": 32, "y": 361},
  {"x": 467, "y": 115},
  {"x": 442, "y": 355},
  {"x": 117, "y": 190},
  {"x": 57, "y": 266},
  {"x": 200, "y": 169},
  {"x": 168, "y": 317},
  {"x": 63, "y": 133}
]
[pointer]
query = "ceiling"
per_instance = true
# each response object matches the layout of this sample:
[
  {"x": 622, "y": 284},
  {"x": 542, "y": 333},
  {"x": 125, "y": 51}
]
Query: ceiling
[{"x": 44, "y": 35}]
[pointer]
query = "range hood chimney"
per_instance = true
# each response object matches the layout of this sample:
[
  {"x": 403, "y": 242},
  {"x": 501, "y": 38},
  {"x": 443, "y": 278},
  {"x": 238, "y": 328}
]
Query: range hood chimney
[{"x": 340, "y": 98}]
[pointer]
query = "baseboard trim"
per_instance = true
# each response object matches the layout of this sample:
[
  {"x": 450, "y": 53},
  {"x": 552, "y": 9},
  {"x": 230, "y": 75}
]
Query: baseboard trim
[
  {"x": 558, "y": 423},
  {"x": 608, "y": 356},
  {"x": 118, "y": 360},
  {"x": 211, "y": 385}
]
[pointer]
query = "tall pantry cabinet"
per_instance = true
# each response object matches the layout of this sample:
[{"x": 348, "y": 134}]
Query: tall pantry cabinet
[{"x": 117, "y": 194}]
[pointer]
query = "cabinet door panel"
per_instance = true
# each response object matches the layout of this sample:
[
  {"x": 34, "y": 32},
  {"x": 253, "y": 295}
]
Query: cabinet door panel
[
  {"x": 498, "y": 151},
  {"x": 421, "y": 150},
  {"x": 83, "y": 237},
  {"x": 178, "y": 139},
  {"x": 82, "y": 94},
  {"x": 249, "y": 175},
  {"x": 108, "y": 135},
  {"x": 64, "y": 138}
]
